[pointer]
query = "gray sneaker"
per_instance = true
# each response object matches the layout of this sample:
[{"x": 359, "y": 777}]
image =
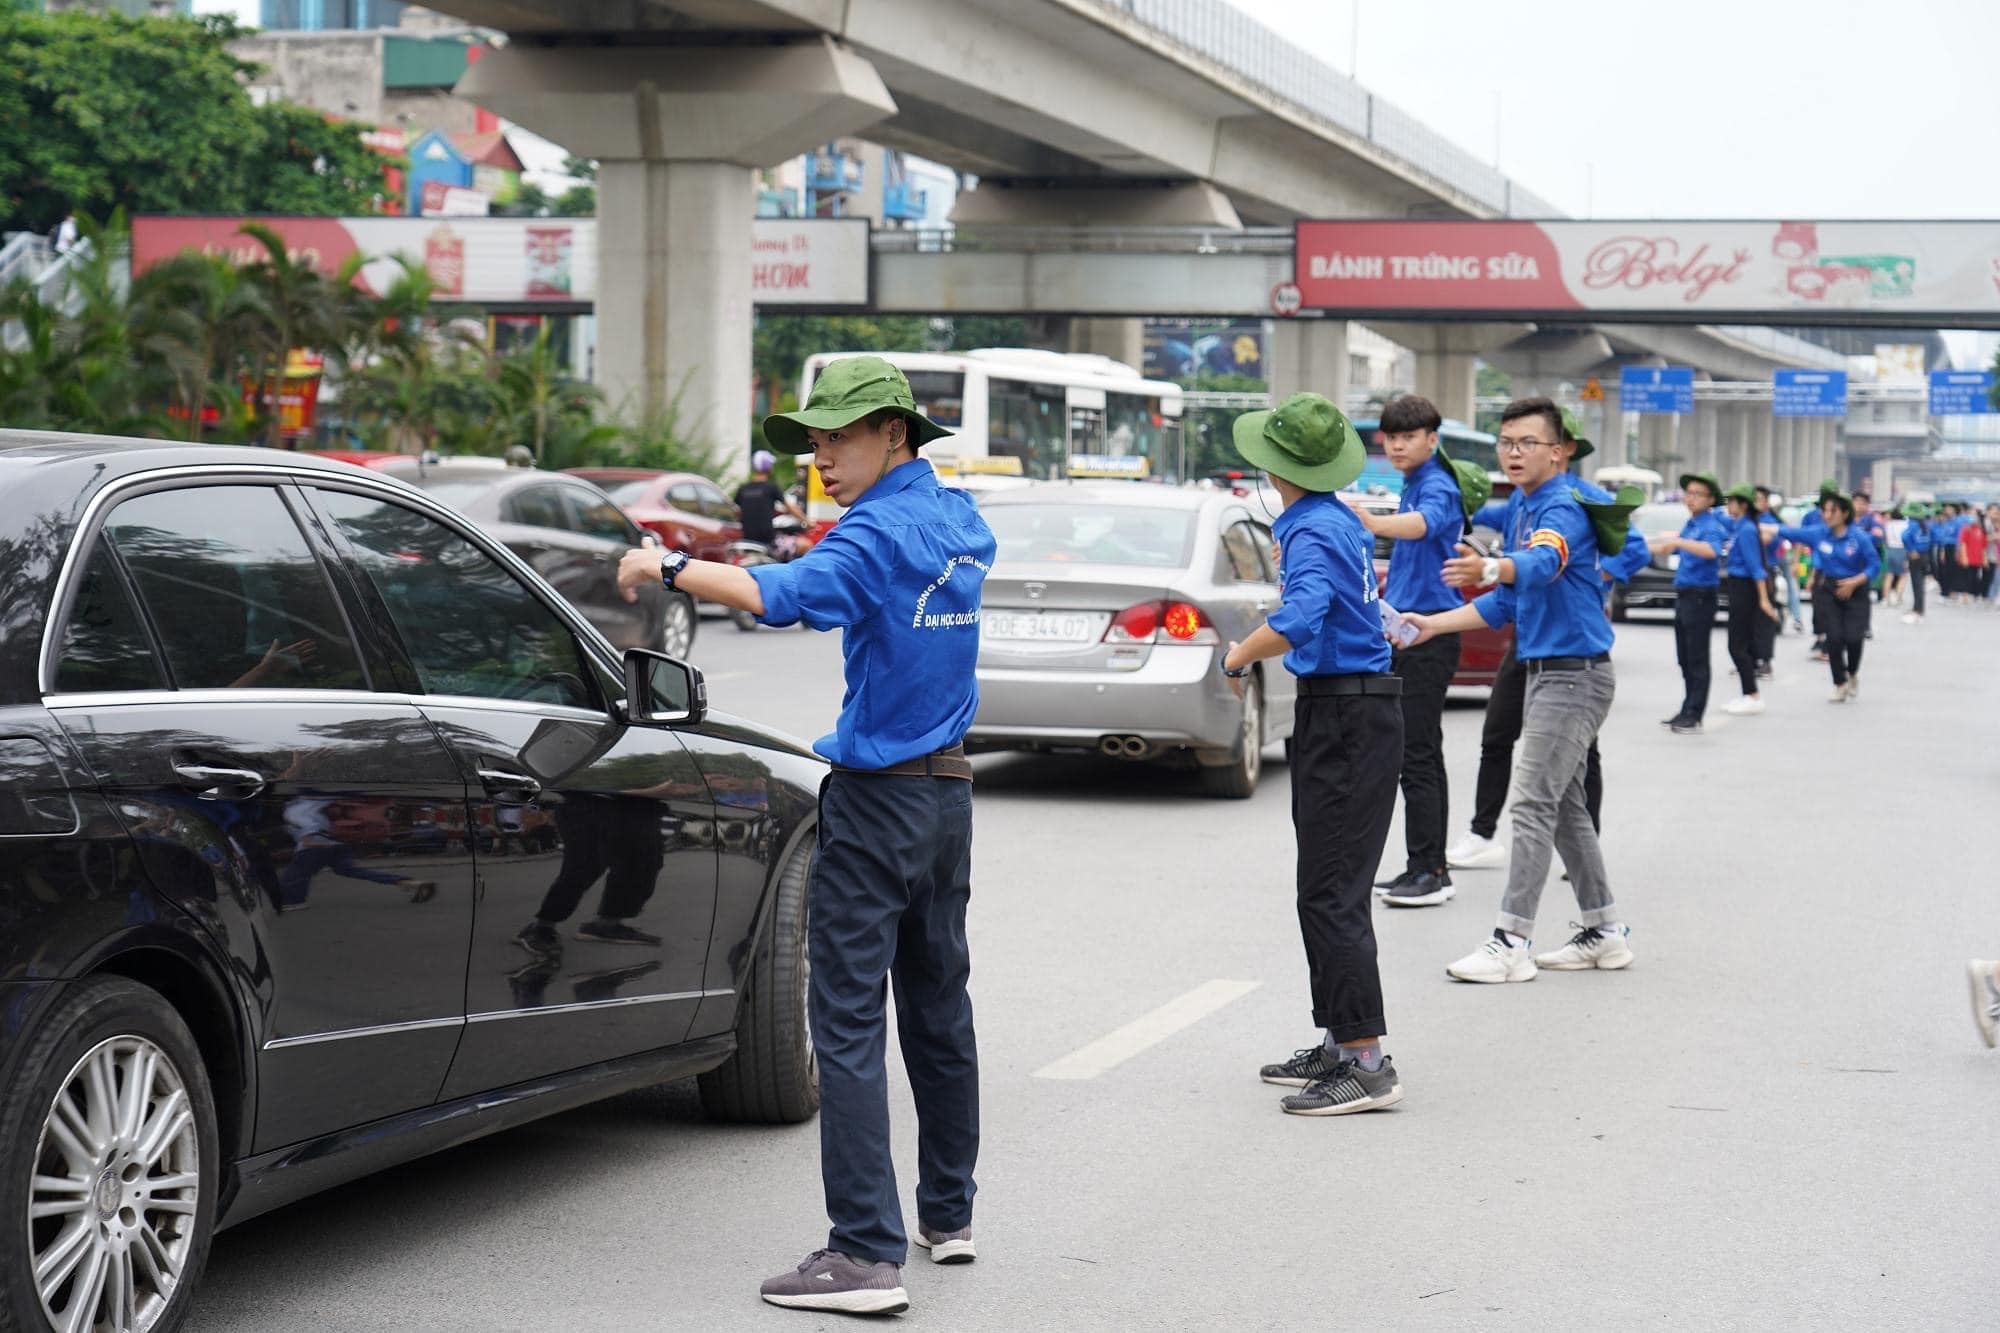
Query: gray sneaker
[
  {"x": 829, "y": 1280},
  {"x": 1303, "y": 1069},
  {"x": 1348, "y": 1089},
  {"x": 946, "y": 1247}
]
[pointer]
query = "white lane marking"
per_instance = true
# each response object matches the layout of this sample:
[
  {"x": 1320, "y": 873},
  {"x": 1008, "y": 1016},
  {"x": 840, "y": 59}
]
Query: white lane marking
[{"x": 1147, "y": 1030}]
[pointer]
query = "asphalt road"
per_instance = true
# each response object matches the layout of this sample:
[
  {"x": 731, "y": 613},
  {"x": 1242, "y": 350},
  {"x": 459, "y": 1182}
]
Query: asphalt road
[{"x": 1779, "y": 1118}]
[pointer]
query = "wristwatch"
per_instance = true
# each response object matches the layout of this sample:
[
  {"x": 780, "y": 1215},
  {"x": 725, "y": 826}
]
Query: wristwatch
[
  {"x": 671, "y": 565},
  {"x": 1489, "y": 570},
  {"x": 1236, "y": 674}
]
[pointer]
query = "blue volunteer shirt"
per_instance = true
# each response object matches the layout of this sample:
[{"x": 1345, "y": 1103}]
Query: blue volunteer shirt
[
  {"x": 1871, "y": 523},
  {"x": 1838, "y": 556},
  {"x": 1746, "y": 549},
  {"x": 1327, "y": 609},
  {"x": 901, "y": 573},
  {"x": 1556, "y": 600},
  {"x": 1416, "y": 567},
  {"x": 1695, "y": 571},
  {"x": 1917, "y": 537}
]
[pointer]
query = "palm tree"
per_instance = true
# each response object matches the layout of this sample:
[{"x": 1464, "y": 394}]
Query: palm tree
[
  {"x": 203, "y": 309},
  {"x": 298, "y": 310}
]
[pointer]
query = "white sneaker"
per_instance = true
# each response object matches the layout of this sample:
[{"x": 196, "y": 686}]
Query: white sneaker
[
  {"x": 1985, "y": 999},
  {"x": 1473, "y": 852},
  {"x": 1839, "y": 695},
  {"x": 1588, "y": 948},
  {"x": 1748, "y": 706},
  {"x": 1913, "y": 619},
  {"x": 1854, "y": 685},
  {"x": 1494, "y": 961}
]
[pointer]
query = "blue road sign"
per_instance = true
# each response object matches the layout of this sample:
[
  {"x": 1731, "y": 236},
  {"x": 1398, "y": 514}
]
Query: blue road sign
[
  {"x": 1657, "y": 390},
  {"x": 1961, "y": 393},
  {"x": 1809, "y": 393}
]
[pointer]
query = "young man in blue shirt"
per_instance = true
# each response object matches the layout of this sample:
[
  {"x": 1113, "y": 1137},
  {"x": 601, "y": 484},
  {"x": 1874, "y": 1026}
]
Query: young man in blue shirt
[
  {"x": 1549, "y": 585},
  {"x": 901, "y": 574},
  {"x": 1844, "y": 562},
  {"x": 1347, "y": 743},
  {"x": 1425, "y": 528},
  {"x": 1749, "y": 598},
  {"x": 1508, "y": 695},
  {"x": 1917, "y": 539},
  {"x": 1699, "y": 544}
]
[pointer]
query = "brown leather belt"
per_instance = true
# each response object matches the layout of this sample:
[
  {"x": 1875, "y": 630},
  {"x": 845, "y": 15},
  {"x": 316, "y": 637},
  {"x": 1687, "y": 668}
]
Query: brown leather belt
[{"x": 950, "y": 763}]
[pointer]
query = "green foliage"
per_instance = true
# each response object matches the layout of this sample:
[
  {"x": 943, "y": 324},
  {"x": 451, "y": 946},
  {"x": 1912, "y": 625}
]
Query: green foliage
[
  {"x": 1217, "y": 381},
  {"x": 100, "y": 113},
  {"x": 781, "y": 343}
]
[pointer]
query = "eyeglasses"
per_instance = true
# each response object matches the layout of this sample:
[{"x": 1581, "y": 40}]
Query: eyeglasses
[{"x": 1523, "y": 446}]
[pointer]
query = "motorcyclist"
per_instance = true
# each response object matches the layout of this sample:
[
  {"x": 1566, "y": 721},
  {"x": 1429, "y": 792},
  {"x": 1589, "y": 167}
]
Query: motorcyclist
[{"x": 760, "y": 500}]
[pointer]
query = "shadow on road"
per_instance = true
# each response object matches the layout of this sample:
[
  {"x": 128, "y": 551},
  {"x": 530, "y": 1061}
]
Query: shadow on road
[{"x": 1040, "y": 775}]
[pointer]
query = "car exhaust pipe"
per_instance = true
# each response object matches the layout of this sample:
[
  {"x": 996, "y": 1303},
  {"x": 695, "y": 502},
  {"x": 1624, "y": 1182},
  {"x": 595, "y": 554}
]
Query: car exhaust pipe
[
  {"x": 1124, "y": 747},
  {"x": 1111, "y": 746}
]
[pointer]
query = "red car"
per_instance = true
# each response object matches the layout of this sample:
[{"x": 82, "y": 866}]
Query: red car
[{"x": 685, "y": 510}]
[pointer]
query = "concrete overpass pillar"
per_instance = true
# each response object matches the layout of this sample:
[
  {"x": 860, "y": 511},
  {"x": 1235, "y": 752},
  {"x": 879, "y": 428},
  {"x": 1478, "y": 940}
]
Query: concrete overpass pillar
[
  {"x": 1708, "y": 439},
  {"x": 678, "y": 132},
  {"x": 1310, "y": 355},
  {"x": 1449, "y": 380},
  {"x": 1778, "y": 475},
  {"x": 1120, "y": 339}
]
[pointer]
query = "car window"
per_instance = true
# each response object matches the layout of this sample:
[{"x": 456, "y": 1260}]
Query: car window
[
  {"x": 1267, "y": 550},
  {"x": 629, "y": 492},
  {"x": 538, "y": 507},
  {"x": 593, "y": 515},
  {"x": 1102, "y": 534},
  {"x": 470, "y": 626},
  {"x": 1239, "y": 543},
  {"x": 233, "y": 591},
  {"x": 104, "y": 645},
  {"x": 683, "y": 495},
  {"x": 715, "y": 504}
]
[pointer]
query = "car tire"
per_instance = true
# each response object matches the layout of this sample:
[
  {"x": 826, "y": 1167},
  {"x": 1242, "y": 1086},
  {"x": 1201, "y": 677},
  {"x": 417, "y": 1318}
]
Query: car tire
[
  {"x": 773, "y": 1078},
  {"x": 1618, "y": 612},
  {"x": 1237, "y": 780},
  {"x": 677, "y": 626},
  {"x": 106, "y": 1032}
]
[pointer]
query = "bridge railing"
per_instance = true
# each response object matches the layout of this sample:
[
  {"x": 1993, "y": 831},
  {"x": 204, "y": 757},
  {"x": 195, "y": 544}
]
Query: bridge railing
[
  {"x": 1055, "y": 240},
  {"x": 1226, "y": 36}
]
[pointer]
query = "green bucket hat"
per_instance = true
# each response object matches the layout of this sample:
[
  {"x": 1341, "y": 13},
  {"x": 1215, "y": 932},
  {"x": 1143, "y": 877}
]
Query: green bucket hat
[
  {"x": 1916, "y": 509},
  {"x": 1705, "y": 478},
  {"x": 1574, "y": 429},
  {"x": 1475, "y": 484},
  {"x": 1746, "y": 493},
  {"x": 1305, "y": 439},
  {"x": 1612, "y": 521},
  {"x": 1828, "y": 487},
  {"x": 1845, "y": 502},
  {"x": 846, "y": 391}
]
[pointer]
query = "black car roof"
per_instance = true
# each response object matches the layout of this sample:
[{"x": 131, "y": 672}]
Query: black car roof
[{"x": 120, "y": 454}]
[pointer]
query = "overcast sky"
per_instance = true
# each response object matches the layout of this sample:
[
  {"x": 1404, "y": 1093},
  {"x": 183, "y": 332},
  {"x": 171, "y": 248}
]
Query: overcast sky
[{"x": 1701, "y": 108}]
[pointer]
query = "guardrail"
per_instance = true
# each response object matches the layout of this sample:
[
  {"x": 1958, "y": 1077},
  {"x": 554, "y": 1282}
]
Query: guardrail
[
  {"x": 1225, "y": 36},
  {"x": 1070, "y": 240},
  {"x": 25, "y": 254}
]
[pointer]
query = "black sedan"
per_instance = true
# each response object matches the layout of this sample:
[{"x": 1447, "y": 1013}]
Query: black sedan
[
  {"x": 335, "y": 837},
  {"x": 1652, "y": 588}
]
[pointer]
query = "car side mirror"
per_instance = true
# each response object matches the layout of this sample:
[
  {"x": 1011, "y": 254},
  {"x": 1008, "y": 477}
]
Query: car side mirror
[{"x": 662, "y": 691}]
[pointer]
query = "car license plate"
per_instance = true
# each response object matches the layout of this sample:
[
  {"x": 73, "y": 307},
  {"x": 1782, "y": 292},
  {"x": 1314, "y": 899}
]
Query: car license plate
[{"x": 1039, "y": 626}]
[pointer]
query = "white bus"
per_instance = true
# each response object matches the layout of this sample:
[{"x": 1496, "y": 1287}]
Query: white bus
[{"x": 1015, "y": 411}]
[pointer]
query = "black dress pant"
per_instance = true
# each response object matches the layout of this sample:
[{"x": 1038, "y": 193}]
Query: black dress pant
[
  {"x": 1496, "y": 751},
  {"x": 618, "y": 837},
  {"x": 1345, "y": 753},
  {"x": 1426, "y": 671},
  {"x": 1745, "y": 615},
  {"x": 1694, "y": 619},
  {"x": 1765, "y": 628},
  {"x": 1920, "y": 568},
  {"x": 1846, "y": 628}
]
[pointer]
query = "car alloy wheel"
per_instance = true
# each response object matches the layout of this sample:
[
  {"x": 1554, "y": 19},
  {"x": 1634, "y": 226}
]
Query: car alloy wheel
[
  {"x": 113, "y": 1202},
  {"x": 677, "y": 633}
]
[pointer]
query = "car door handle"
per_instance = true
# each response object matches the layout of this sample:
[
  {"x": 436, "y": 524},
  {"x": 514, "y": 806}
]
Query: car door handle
[
  {"x": 510, "y": 788},
  {"x": 211, "y": 782}
]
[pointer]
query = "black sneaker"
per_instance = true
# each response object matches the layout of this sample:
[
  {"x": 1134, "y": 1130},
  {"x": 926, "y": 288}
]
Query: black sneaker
[
  {"x": 1687, "y": 726},
  {"x": 1303, "y": 1069},
  {"x": 1673, "y": 721},
  {"x": 615, "y": 932},
  {"x": 1384, "y": 885},
  {"x": 1349, "y": 1089},
  {"x": 1423, "y": 891},
  {"x": 539, "y": 938}
]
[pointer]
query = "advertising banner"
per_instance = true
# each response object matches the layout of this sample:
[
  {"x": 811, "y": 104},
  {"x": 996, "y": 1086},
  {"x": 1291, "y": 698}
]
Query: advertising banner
[
  {"x": 1837, "y": 271},
  {"x": 518, "y": 261}
]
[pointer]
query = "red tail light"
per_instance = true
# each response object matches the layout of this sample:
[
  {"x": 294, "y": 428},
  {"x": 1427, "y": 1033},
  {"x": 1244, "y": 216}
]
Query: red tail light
[{"x": 1161, "y": 622}]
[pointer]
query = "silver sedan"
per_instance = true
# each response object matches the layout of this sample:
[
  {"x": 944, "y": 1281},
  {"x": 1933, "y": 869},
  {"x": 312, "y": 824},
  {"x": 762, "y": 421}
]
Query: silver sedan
[{"x": 1107, "y": 608}]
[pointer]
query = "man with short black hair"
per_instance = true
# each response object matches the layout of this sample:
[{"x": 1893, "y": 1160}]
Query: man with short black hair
[
  {"x": 1425, "y": 529},
  {"x": 1548, "y": 583}
]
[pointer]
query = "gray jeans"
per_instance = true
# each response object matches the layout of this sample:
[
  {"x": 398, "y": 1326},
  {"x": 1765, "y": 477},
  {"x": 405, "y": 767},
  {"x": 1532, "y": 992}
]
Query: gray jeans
[{"x": 1564, "y": 709}]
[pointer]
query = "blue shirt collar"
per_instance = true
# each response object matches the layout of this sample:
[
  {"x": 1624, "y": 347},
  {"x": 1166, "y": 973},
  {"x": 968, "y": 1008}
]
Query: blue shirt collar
[
  {"x": 1296, "y": 512},
  {"x": 898, "y": 479}
]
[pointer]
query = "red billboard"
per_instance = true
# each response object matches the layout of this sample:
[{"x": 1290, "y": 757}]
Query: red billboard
[{"x": 1872, "y": 272}]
